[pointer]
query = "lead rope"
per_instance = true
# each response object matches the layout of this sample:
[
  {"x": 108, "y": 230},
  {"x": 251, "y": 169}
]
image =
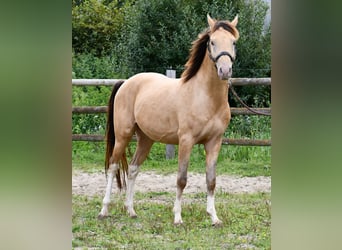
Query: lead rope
[{"x": 242, "y": 102}]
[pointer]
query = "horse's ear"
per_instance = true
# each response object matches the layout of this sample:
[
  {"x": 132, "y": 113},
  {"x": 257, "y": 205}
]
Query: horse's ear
[
  {"x": 211, "y": 22},
  {"x": 235, "y": 21}
]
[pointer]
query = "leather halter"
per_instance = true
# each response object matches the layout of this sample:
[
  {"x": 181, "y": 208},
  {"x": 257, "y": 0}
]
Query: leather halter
[{"x": 223, "y": 53}]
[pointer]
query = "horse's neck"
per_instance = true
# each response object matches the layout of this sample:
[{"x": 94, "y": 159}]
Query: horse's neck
[{"x": 208, "y": 80}]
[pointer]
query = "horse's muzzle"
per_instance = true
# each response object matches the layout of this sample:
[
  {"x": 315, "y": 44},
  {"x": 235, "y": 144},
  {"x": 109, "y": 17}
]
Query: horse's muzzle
[{"x": 224, "y": 72}]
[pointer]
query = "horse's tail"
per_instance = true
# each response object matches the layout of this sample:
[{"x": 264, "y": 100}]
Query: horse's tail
[{"x": 110, "y": 138}]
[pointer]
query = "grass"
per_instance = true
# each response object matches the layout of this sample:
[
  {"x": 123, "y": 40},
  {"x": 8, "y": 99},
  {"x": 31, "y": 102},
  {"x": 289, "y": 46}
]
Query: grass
[
  {"x": 246, "y": 223},
  {"x": 233, "y": 160},
  {"x": 246, "y": 217}
]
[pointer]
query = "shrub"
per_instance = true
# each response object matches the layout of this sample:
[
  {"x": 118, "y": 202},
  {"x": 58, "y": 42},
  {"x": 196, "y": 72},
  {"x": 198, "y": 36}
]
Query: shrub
[
  {"x": 95, "y": 25},
  {"x": 89, "y": 66}
]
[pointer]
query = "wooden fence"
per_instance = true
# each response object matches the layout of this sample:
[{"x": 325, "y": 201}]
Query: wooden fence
[{"x": 225, "y": 141}]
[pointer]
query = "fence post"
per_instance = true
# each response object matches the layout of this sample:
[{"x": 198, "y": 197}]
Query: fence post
[{"x": 170, "y": 149}]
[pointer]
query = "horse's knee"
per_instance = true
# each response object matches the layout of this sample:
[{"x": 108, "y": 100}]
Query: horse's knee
[
  {"x": 211, "y": 183},
  {"x": 181, "y": 181}
]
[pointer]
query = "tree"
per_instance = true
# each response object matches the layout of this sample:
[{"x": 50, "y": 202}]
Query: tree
[
  {"x": 152, "y": 37},
  {"x": 157, "y": 34},
  {"x": 96, "y": 25}
]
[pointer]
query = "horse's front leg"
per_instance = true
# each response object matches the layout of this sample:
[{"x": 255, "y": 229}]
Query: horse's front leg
[
  {"x": 184, "y": 151},
  {"x": 212, "y": 149}
]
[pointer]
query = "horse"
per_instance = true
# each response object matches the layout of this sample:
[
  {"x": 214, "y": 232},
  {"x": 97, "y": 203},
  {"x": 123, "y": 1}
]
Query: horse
[{"x": 186, "y": 111}]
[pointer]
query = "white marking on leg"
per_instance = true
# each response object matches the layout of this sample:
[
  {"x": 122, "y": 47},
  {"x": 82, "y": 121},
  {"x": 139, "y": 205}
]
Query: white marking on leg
[
  {"x": 211, "y": 209},
  {"x": 177, "y": 209},
  {"x": 133, "y": 171},
  {"x": 113, "y": 168}
]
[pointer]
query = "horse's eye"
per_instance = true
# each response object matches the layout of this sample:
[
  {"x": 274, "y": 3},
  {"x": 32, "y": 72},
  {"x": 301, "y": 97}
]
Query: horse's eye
[
  {"x": 212, "y": 43},
  {"x": 234, "y": 46}
]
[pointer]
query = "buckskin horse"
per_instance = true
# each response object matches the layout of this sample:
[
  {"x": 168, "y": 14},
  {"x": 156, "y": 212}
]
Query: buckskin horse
[{"x": 199, "y": 114}]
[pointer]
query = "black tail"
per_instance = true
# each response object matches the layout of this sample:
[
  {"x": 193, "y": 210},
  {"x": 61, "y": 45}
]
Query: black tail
[{"x": 110, "y": 138}]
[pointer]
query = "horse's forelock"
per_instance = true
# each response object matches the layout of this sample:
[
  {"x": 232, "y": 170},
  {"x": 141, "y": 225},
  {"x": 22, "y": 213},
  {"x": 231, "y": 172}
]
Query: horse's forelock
[{"x": 226, "y": 26}]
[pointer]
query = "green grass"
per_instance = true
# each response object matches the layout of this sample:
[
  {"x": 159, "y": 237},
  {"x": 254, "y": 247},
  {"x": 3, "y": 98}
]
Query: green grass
[
  {"x": 246, "y": 217},
  {"x": 234, "y": 160},
  {"x": 246, "y": 222}
]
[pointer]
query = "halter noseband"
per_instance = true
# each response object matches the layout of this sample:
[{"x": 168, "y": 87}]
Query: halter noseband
[{"x": 223, "y": 53}]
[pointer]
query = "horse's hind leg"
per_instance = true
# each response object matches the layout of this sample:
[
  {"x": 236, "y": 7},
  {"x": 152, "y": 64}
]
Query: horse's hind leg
[
  {"x": 144, "y": 145},
  {"x": 118, "y": 151},
  {"x": 113, "y": 168},
  {"x": 212, "y": 149}
]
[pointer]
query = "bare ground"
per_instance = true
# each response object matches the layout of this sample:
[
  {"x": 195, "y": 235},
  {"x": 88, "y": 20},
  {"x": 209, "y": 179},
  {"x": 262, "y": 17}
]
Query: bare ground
[{"x": 95, "y": 183}]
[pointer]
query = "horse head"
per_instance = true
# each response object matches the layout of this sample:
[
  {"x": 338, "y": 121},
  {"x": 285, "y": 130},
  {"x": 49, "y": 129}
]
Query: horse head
[{"x": 221, "y": 45}]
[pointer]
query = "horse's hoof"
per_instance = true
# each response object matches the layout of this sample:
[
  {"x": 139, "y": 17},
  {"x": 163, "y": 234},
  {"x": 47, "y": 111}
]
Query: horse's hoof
[
  {"x": 132, "y": 214},
  {"x": 178, "y": 223},
  {"x": 217, "y": 223}
]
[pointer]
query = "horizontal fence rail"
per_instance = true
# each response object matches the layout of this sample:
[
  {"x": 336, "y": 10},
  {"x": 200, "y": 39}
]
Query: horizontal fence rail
[
  {"x": 225, "y": 141},
  {"x": 110, "y": 82}
]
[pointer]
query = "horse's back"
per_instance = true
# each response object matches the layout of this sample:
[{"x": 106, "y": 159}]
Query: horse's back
[
  {"x": 148, "y": 100},
  {"x": 147, "y": 82}
]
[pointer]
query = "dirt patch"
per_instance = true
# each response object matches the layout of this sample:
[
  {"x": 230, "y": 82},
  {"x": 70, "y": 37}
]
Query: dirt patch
[{"x": 95, "y": 183}]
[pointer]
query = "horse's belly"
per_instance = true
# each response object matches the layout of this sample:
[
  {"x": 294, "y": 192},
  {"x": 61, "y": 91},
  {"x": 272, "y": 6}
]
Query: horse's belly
[
  {"x": 157, "y": 133},
  {"x": 158, "y": 127}
]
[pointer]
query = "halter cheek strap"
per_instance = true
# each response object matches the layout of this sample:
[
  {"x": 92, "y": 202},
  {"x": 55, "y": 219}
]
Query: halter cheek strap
[{"x": 223, "y": 53}]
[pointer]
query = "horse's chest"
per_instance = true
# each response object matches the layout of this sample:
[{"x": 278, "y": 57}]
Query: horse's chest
[{"x": 208, "y": 126}]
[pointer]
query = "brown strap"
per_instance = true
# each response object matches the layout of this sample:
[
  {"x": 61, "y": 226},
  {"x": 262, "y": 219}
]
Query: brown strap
[{"x": 242, "y": 102}]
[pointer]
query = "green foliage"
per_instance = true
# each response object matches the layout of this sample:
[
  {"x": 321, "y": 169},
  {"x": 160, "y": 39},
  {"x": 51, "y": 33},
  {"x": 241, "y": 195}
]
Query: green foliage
[
  {"x": 89, "y": 96},
  {"x": 254, "y": 45},
  {"x": 157, "y": 34},
  {"x": 253, "y": 53},
  {"x": 154, "y": 37},
  {"x": 95, "y": 25},
  {"x": 246, "y": 223},
  {"x": 249, "y": 126},
  {"x": 89, "y": 66}
]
